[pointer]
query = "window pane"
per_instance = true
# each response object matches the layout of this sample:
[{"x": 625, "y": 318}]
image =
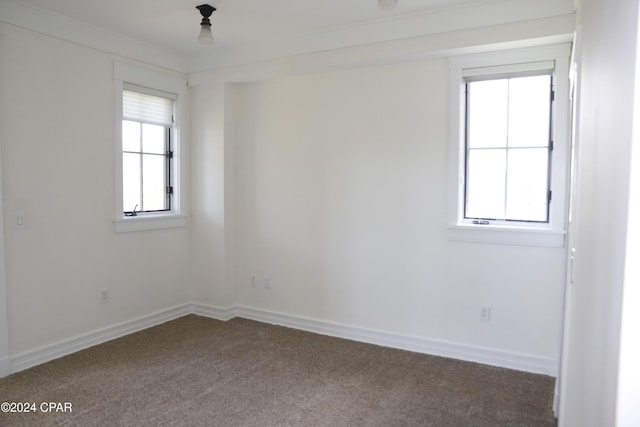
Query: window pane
[
  {"x": 529, "y": 104},
  {"x": 488, "y": 104},
  {"x": 527, "y": 184},
  {"x": 486, "y": 184},
  {"x": 130, "y": 136},
  {"x": 131, "y": 182},
  {"x": 153, "y": 139},
  {"x": 154, "y": 189}
]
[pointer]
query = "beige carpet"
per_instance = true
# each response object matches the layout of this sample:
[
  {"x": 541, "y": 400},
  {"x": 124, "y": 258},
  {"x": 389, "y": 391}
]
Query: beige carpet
[{"x": 196, "y": 371}]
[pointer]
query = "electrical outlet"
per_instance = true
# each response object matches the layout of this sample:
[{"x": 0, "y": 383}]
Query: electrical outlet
[
  {"x": 104, "y": 296},
  {"x": 267, "y": 282},
  {"x": 252, "y": 280},
  {"x": 485, "y": 313}
]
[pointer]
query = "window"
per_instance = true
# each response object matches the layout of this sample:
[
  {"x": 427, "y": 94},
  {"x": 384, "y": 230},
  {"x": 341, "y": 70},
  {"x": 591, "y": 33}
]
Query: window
[
  {"x": 149, "y": 164},
  {"x": 147, "y": 154},
  {"x": 508, "y": 146},
  {"x": 508, "y": 152}
]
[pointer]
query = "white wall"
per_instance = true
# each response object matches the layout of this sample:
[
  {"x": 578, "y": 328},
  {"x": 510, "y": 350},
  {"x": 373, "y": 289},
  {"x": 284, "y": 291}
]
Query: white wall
[
  {"x": 5, "y": 359},
  {"x": 332, "y": 185},
  {"x": 607, "y": 54},
  {"x": 341, "y": 183},
  {"x": 627, "y": 408},
  {"x": 211, "y": 234},
  {"x": 57, "y": 139}
]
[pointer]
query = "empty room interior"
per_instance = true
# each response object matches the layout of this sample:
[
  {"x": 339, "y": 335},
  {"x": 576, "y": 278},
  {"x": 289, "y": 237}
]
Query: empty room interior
[{"x": 319, "y": 172}]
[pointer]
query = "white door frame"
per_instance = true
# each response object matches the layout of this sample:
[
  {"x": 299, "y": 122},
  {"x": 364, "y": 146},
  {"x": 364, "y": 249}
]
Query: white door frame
[{"x": 574, "y": 90}]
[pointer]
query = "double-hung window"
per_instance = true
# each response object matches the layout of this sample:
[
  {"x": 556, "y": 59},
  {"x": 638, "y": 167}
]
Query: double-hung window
[
  {"x": 147, "y": 151},
  {"x": 509, "y": 146},
  {"x": 150, "y": 135}
]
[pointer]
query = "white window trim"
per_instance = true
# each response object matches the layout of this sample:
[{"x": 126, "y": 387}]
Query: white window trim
[
  {"x": 176, "y": 217},
  {"x": 551, "y": 234}
]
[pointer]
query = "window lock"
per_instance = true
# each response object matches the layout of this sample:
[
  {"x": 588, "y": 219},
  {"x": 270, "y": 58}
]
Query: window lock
[{"x": 132, "y": 213}]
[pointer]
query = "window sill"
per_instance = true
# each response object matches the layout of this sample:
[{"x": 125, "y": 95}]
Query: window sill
[
  {"x": 149, "y": 222},
  {"x": 520, "y": 236}
]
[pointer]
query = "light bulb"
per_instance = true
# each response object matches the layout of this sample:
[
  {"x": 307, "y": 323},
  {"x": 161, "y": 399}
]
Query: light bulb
[{"x": 205, "y": 37}]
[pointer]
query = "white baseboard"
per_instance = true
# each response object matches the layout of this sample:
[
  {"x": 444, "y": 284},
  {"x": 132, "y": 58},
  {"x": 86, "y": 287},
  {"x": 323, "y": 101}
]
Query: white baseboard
[
  {"x": 62, "y": 348},
  {"x": 499, "y": 358},
  {"x": 214, "y": 312},
  {"x": 469, "y": 353}
]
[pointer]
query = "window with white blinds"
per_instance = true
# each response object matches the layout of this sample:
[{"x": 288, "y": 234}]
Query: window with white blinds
[
  {"x": 150, "y": 123},
  {"x": 147, "y": 108},
  {"x": 147, "y": 154}
]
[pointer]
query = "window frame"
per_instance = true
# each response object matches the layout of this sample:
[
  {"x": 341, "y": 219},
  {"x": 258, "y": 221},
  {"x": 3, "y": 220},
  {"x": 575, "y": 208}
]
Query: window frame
[
  {"x": 149, "y": 81},
  {"x": 508, "y": 149},
  {"x": 168, "y": 148},
  {"x": 508, "y": 63}
]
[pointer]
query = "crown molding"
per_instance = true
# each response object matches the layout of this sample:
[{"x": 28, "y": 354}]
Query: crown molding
[
  {"x": 41, "y": 21},
  {"x": 538, "y": 32},
  {"x": 459, "y": 17}
]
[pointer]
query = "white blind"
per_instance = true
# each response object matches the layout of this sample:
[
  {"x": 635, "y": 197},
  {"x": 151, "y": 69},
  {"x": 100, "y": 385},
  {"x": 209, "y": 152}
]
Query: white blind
[
  {"x": 506, "y": 71},
  {"x": 147, "y": 108}
]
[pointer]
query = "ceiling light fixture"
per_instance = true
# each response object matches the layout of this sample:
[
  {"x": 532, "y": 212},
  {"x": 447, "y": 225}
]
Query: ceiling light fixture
[
  {"x": 205, "y": 36},
  {"x": 387, "y": 4}
]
